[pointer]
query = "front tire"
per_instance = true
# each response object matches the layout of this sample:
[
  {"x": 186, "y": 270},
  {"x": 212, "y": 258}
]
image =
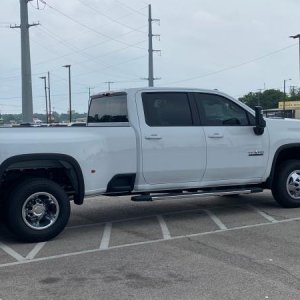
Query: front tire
[
  {"x": 286, "y": 187},
  {"x": 37, "y": 210}
]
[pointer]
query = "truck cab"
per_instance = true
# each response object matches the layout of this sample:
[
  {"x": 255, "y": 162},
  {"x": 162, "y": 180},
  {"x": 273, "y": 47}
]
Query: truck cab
[{"x": 186, "y": 138}]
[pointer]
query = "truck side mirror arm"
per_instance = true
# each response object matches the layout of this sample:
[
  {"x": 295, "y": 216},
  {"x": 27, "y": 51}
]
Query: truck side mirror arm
[{"x": 260, "y": 123}]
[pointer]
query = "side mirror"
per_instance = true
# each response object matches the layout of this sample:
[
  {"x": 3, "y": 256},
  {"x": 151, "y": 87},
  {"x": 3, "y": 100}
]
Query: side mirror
[{"x": 260, "y": 123}]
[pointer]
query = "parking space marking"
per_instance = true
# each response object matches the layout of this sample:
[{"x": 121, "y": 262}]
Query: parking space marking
[
  {"x": 106, "y": 236},
  {"x": 37, "y": 248},
  {"x": 262, "y": 213},
  {"x": 147, "y": 216},
  {"x": 164, "y": 228},
  {"x": 24, "y": 261},
  {"x": 12, "y": 252},
  {"x": 216, "y": 220}
]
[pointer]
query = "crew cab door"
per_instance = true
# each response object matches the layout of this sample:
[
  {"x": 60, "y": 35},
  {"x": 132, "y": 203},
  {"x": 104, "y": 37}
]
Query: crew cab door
[
  {"x": 235, "y": 154},
  {"x": 173, "y": 149}
]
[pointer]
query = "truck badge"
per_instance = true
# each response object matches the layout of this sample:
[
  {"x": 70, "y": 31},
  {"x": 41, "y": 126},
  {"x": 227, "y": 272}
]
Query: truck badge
[{"x": 256, "y": 153}]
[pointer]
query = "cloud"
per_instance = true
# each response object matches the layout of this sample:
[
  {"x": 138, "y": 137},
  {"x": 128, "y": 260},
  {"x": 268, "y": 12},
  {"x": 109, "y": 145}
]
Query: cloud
[{"x": 198, "y": 37}]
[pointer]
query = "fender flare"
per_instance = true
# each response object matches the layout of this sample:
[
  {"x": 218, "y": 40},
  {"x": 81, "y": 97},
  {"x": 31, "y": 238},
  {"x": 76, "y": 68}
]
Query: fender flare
[
  {"x": 270, "y": 179},
  {"x": 75, "y": 173}
]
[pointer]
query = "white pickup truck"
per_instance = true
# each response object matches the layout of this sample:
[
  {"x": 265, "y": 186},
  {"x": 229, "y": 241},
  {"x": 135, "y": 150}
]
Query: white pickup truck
[{"x": 150, "y": 143}]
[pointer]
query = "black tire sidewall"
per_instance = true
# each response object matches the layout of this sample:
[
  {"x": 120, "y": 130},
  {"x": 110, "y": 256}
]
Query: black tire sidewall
[
  {"x": 15, "y": 204},
  {"x": 279, "y": 189}
]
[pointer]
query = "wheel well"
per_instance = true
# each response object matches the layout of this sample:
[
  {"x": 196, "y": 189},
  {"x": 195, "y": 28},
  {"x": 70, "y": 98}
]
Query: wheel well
[
  {"x": 288, "y": 154},
  {"x": 284, "y": 153},
  {"x": 62, "y": 169}
]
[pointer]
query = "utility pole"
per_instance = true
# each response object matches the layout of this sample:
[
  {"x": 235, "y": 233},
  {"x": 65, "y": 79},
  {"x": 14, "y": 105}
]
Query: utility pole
[
  {"x": 49, "y": 97},
  {"x": 109, "y": 83},
  {"x": 45, "y": 86},
  {"x": 284, "y": 95},
  {"x": 150, "y": 49},
  {"x": 70, "y": 94},
  {"x": 297, "y": 36},
  {"x": 90, "y": 88},
  {"x": 27, "y": 105}
]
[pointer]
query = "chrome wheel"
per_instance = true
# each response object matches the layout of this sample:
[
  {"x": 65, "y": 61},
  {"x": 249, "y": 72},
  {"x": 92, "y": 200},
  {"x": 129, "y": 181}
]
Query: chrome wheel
[
  {"x": 40, "y": 211},
  {"x": 293, "y": 184}
]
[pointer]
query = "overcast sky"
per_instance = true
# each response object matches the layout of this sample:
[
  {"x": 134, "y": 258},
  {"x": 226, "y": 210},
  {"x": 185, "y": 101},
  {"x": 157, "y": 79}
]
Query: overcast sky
[{"x": 236, "y": 46}]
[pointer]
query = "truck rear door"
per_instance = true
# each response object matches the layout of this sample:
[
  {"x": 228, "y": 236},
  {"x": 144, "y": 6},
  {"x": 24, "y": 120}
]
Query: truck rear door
[{"x": 173, "y": 147}]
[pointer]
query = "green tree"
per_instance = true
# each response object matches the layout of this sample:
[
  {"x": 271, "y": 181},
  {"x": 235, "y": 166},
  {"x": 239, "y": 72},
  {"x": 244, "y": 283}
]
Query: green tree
[
  {"x": 294, "y": 94},
  {"x": 7, "y": 118},
  {"x": 267, "y": 99}
]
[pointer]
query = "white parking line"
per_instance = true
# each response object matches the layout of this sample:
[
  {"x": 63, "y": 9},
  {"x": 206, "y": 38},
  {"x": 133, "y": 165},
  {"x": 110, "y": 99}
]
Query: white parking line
[
  {"x": 145, "y": 243},
  {"x": 164, "y": 228},
  {"x": 106, "y": 236},
  {"x": 12, "y": 252},
  {"x": 37, "y": 248},
  {"x": 148, "y": 217},
  {"x": 216, "y": 220},
  {"x": 263, "y": 214}
]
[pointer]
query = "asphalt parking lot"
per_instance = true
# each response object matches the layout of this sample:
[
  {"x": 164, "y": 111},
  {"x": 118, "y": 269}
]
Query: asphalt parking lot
[{"x": 244, "y": 247}]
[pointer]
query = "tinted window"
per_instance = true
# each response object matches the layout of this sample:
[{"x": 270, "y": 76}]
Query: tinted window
[
  {"x": 167, "y": 109},
  {"x": 107, "y": 109},
  {"x": 218, "y": 111}
]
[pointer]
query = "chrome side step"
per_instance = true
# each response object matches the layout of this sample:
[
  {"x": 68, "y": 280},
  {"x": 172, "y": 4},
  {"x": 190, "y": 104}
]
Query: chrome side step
[{"x": 187, "y": 195}]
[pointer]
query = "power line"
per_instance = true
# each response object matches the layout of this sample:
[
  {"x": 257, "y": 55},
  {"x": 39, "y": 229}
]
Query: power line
[
  {"x": 109, "y": 53},
  {"x": 11, "y": 78},
  {"x": 234, "y": 66},
  {"x": 62, "y": 42},
  {"x": 78, "y": 51},
  {"x": 41, "y": 96},
  {"x": 55, "y": 37},
  {"x": 86, "y": 48},
  {"x": 10, "y": 105},
  {"x": 37, "y": 5},
  {"x": 132, "y": 9},
  {"x": 123, "y": 34},
  {"x": 86, "y": 26},
  {"x": 110, "y": 66},
  {"x": 108, "y": 17}
]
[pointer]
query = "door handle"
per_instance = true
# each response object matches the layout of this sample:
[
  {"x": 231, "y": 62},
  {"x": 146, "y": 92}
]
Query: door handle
[
  {"x": 216, "y": 135},
  {"x": 153, "y": 137}
]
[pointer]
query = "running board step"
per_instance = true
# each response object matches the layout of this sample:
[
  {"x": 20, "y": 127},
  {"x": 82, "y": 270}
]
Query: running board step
[{"x": 186, "y": 195}]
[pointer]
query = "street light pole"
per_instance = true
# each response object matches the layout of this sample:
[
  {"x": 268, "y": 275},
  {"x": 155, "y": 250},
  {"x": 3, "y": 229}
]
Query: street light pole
[
  {"x": 284, "y": 95},
  {"x": 70, "y": 95},
  {"x": 297, "y": 36},
  {"x": 45, "y": 86}
]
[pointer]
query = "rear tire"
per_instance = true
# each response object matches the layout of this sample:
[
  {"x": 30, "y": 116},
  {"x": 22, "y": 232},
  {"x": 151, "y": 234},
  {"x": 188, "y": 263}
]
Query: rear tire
[
  {"x": 37, "y": 210},
  {"x": 286, "y": 186},
  {"x": 4, "y": 196}
]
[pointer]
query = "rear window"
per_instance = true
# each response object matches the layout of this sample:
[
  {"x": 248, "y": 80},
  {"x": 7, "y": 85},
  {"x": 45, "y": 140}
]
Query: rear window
[{"x": 108, "y": 109}]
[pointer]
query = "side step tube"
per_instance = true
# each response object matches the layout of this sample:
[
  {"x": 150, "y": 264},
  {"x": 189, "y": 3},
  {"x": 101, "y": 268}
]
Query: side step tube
[{"x": 187, "y": 195}]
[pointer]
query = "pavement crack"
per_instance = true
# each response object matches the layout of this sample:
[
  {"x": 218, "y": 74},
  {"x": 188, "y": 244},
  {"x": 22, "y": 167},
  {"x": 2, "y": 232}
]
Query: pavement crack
[{"x": 268, "y": 270}]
